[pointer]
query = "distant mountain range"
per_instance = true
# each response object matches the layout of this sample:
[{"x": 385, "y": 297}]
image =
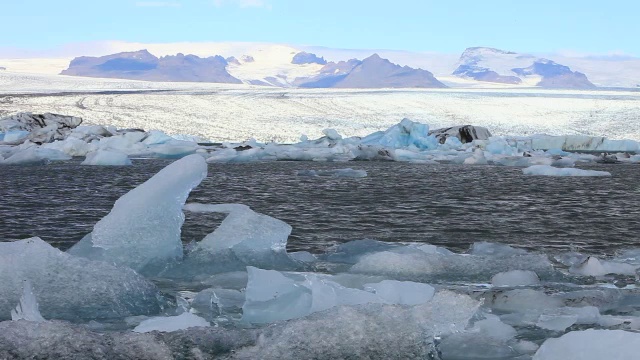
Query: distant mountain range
[
  {"x": 289, "y": 67},
  {"x": 498, "y": 66}
]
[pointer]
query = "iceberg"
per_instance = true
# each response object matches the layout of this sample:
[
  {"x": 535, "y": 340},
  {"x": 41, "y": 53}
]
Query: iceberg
[
  {"x": 69, "y": 287},
  {"x": 406, "y": 133},
  {"x": 273, "y": 296},
  {"x": 368, "y": 331},
  {"x": 594, "y": 267},
  {"x": 547, "y": 170},
  {"x": 107, "y": 158},
  {"x": 244, "y": 237},
  {"x": 34, "y": 155},
  {"x": 143, "y": 228},
  {"x": 515, "y": 278},
  {"x": 171, "y": 323},
  {"x": 591, "y": 345}
]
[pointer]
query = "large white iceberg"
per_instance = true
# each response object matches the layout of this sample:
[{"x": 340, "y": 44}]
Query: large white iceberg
[
  {"x": 143, "y": 228},
  {"x": 69, "y": 287}
]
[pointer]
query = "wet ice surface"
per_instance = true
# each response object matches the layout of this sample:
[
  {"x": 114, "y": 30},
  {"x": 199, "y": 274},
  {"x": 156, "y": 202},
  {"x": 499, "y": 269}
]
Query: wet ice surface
[{"x": 448, "y": 205}]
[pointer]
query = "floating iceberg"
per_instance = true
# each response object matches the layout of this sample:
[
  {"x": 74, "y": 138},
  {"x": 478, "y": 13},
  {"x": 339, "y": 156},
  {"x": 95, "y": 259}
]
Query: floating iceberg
[
  {"x": 143, "y": 228},
  {"x": 34, "y": 156},
  {"x": 107, "y": 157},
  {"x": 591, "y": 345},
  {"x": 243, "y": 238},
  {"x": 171, "y": 323},
  {"x": 374, "y": 331},
  {"x": 547, "y": 170},
  {"x": 515, "y": 278},
  {"x": 594, "y": 267},
  {"x": 69, "y": 287}
]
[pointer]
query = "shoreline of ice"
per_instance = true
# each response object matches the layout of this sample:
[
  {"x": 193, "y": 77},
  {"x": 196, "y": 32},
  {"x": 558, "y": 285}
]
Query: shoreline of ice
[
  {"x": 29, "y": 139},
  {"x": 363, "y": 298}
]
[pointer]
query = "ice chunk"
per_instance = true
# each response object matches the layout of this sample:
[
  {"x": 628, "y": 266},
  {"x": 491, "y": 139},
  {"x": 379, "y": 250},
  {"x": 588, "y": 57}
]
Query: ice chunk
[
  {"x": 35, "y": 155},
  {"x": 515, "y": 278},
  {"x": 107, "y": 157},
  {"x": 351, "y": 252},
  {"x": 143, "y": 228},
  {"x": 273, "y": 296},
  {"x": 348, "y": 172},
  {"x": 591, "y": 345},
  {"x": 371, "y": 331},
  {"x": 27, "y": 309},
  {"x": 171, "y": 323},
  {"x": 402, "y": 292},
  {"x": 523, "y": 300},
  {"x": 63, "y": 340},
  {"x": 547, "y": 170},
  {"x": 406, "y": 133},
  {"x": 332, "y": 134},
  {"x": 595, "y": 267},
  {"x": 69, "y": 287},
  {"x": 494, "y": 249},
  {"x": 243, "y": 238},
  {"x": 409, "y": 263},
  {"x": 210, "y": 303}
]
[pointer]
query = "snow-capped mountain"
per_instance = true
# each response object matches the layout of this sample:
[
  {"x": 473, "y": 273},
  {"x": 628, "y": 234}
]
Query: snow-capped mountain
[
  {"x": 142, "y": 65},
  {"x": 307, "y": 70},
  {"x": 498, "y": 66},
  {"x": 281, "y": 65}
]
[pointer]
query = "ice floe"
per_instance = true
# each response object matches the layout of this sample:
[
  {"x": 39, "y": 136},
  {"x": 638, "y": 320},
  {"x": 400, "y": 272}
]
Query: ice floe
[{"x": 546, "y": 170}]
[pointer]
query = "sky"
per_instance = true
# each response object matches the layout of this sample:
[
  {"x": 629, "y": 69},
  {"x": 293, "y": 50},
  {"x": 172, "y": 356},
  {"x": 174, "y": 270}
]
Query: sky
[{"x": 537, "y": 26}]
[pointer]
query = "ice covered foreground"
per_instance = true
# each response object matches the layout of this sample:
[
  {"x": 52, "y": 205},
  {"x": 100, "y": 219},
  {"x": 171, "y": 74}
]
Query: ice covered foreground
[
  {"x": 366, "y": 298},
  {"x": 591, "y": 345},
  {"x": 143, "y": 228}
]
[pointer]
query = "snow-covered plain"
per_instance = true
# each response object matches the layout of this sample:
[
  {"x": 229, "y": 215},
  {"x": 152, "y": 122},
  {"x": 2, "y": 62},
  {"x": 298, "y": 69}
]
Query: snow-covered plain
[{"x": 223, "y": 112}]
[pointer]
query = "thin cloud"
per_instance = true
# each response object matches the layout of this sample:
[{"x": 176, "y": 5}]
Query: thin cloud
[
  {"x": 158, "y": 4},
  {"x": 243, "y": 3}
]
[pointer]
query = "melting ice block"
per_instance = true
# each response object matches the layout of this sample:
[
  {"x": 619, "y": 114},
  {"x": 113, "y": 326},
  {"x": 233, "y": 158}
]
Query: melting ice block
[
  {"x": 273, "y": 296},
  {"x": 69, "y": 287},
  {"x": 369, "y": 331},
  {"x": 515, "y": 278},
  {"x": 594, "y": 267},
  {"x": 406, "y": 133},
  {"x": 244, "y": 237},
  {"x": 591, "y": 345},
  {"x": 171, "y": 323},
  {"x": 107, "y": 158},
  {"x": 548, "y": 170},
  {"x": 143, "y": 228}
]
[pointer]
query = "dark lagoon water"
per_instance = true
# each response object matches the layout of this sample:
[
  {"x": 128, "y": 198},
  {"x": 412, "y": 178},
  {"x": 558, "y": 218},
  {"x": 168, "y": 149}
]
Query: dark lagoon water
[{"x": 449, "y": 205}]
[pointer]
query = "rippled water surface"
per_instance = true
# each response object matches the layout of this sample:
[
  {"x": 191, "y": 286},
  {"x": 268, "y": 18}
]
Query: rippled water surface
[{"x": 448, "y": 205}]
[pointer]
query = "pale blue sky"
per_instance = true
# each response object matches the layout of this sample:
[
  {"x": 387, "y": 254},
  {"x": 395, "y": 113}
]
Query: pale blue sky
[{"x": 583, "y": 26}]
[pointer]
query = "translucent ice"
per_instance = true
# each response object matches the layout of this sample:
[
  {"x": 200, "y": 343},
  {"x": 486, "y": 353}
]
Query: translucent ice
[
  {"x": 143, "y": 228},
  {"x": 243, "y": 238},
  {"x": 515, "y": 278},
  {"x": 171, "y": 323},
  {"x": 69, "y": 287},
  {"x": 273, "y": 296},
  {"x": 107, "y": 157},
  {"x": 591, "y": 345},
  {"x": 406, "y": 133},
  {"x": 371, "y": 331},
  {"x": 594, "y": 267},
  {"x": 547, "y": 170},
  {"x": 34, "y": 155},
  {"x": 27, "y": 309}
]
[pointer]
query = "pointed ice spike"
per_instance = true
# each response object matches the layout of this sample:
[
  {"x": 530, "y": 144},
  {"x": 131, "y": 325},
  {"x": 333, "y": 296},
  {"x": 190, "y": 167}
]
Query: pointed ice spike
[{"x": 27, "y": 309}]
